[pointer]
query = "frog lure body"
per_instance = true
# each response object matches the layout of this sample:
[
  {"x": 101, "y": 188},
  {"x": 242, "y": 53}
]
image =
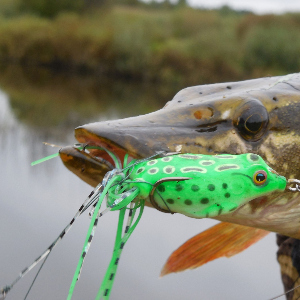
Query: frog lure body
[
  {"x": 211, "y": 185},
  {"x": 195, "y": 185}
]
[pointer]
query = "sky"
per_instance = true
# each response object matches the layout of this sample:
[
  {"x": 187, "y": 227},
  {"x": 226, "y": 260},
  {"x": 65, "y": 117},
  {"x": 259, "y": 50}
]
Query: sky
[{"x": 257, "y": 6}]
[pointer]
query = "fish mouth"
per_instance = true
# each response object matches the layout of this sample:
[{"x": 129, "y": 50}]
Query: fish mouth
[
  {"x": 186, "y": 128},
  {"x": 92, "y": 161},
  {"x": 138, "y": 137},
  {"x": 90, "y": 167}
]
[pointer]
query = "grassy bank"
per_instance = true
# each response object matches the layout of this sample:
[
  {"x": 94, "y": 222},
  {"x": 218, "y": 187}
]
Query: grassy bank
[{"x": 183, "y": 45}]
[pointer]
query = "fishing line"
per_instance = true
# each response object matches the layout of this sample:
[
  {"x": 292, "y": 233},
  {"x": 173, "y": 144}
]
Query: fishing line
[
  {"x": 90, "y": 203},
  {"x": 115, "y": 159},
  {"x": 144, "y": 159},
  {"x": 38, "y": 272},
  {"x": 117, "y": 204},
  {"x": 129, "y": 167},
  {"x": 103, "y": 161},
  {"x": 53, "y": 244},
  {"x": 284, "y": 294},
  {"x": 113, "y": 179}
]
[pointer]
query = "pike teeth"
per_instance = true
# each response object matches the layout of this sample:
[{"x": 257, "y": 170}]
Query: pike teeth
[{"x": 178, "y": 148}]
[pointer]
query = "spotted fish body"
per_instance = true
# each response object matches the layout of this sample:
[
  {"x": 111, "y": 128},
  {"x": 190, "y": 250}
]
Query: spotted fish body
[{"x": 217, "y": 184}]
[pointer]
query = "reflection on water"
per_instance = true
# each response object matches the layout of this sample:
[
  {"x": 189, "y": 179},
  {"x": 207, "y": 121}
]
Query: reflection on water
[
  {"x": 54, "y": 101},
  {"x": 37, "y": 202}
]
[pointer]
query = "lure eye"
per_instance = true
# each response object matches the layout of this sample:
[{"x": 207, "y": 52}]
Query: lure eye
[{"x": 260, "y": 177}]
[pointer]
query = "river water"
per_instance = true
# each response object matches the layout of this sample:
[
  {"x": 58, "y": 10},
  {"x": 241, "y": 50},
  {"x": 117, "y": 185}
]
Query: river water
[{"x": 36, "y": 203}]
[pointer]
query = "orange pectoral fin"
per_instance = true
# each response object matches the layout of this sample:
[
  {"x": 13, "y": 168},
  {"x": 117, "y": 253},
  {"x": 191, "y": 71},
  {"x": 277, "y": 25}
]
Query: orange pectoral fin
[{"x": 223, "y": 239}]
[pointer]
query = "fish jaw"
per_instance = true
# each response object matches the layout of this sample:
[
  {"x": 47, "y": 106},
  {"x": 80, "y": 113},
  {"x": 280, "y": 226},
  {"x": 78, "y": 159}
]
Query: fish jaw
[
  {"x": 86, "y": 166},
  {"x": 209, "y": 119}
]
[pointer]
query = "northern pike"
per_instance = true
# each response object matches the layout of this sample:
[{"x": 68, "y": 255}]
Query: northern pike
[{"x": 259, "y": 116}]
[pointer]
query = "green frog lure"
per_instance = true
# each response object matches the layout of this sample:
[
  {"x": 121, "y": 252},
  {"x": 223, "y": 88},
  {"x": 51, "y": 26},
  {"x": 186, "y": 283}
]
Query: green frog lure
[{"x": 198, "y": 186}]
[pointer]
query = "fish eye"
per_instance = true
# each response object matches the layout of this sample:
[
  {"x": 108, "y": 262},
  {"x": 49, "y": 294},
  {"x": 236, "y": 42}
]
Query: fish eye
[
  {"x": 252, "y": 120},
  {"x": 260, "y": 177}
]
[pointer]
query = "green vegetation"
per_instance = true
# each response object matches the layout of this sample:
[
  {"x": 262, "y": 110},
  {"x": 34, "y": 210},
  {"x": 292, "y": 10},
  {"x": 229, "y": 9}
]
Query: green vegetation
[
  {"x": 51, "y": 8},
  {"x": 149, "y": 42}
]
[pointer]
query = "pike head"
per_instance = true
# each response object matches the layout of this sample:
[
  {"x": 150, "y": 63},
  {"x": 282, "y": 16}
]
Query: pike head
[{"x": 260, "y": 116}]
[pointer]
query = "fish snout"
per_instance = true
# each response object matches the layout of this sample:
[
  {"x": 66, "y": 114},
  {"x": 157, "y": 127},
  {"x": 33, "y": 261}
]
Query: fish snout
[
  {"x": 139, "y": 136},
  {"x": 87, "y": 167}
]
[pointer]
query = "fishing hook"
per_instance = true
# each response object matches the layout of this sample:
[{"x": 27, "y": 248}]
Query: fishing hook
[{"x": 157, "y": 183}]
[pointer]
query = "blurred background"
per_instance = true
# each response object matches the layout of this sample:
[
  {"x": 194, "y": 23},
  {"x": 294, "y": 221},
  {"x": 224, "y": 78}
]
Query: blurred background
[{"x": 70, "y": 62}]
